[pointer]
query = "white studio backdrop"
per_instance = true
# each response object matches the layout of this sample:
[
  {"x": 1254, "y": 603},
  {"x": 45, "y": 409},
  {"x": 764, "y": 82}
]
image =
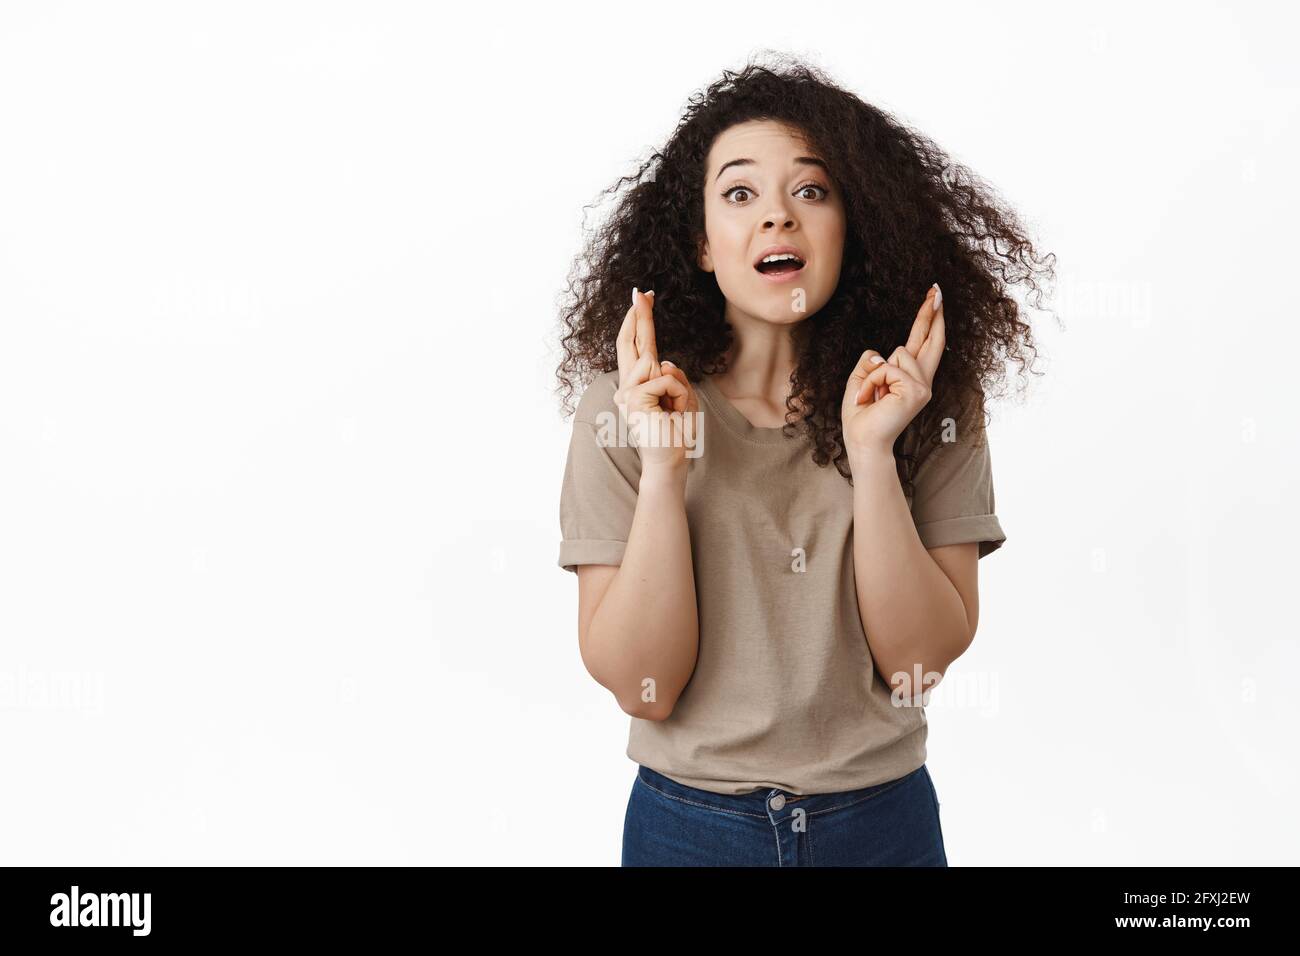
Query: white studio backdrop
[{"x": 281, "y": 454}]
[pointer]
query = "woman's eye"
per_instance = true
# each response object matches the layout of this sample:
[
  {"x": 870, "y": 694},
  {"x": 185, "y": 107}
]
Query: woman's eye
[
  {"x": 743, "y": 189},
  {"x": 824, "y": 191}
]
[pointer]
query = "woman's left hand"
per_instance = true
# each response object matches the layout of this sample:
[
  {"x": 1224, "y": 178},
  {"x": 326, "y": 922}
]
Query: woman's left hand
[{"x": 882, "y": 397}]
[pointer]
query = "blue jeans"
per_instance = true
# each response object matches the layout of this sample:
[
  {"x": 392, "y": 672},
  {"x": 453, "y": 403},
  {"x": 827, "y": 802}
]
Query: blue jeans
[{"x": 895, "y": 823}]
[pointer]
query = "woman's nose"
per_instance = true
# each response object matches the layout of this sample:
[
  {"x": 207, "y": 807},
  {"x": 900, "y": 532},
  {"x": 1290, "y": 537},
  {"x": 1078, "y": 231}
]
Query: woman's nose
[{"x": 778, "y": 214}]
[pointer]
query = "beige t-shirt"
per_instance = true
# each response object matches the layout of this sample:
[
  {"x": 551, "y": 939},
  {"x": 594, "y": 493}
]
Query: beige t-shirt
[{"x": 784, "y": 692}]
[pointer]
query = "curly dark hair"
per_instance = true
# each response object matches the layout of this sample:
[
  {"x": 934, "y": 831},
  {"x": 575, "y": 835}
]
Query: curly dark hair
[{"x": 913, "y": 217}]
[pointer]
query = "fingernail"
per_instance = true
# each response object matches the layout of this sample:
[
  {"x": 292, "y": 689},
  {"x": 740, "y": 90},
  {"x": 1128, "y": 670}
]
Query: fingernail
[
  {"x": 876, "y": 360},
  {"x": 634, "y": 295},
  {"x": 668, "y": 363},
  {"x": 938, "y": 297},
  {"x": 651, "y": 292}
]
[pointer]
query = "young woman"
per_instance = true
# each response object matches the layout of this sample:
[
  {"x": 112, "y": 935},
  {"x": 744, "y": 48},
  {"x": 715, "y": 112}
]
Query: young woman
[{"x": 827, "y": 290}]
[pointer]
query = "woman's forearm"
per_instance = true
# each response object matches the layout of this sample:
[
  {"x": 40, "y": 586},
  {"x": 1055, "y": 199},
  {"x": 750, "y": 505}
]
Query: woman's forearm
[
  {"x": 914, "y": 616},
  {"x": 644, "y": 636}
]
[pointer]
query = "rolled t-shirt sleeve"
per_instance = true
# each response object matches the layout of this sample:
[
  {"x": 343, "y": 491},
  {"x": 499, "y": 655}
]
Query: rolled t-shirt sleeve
[
  {"x": 601, "y": 477},
  {"x": 953, "y": 500}
]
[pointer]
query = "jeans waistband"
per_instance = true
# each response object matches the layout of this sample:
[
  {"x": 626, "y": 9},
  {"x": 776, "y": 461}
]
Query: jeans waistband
[{"x": 765, "y": 802}]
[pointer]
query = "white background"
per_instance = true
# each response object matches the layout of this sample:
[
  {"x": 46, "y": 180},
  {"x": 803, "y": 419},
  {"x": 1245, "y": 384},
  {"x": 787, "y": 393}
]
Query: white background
[{"x": 280, "y": 456}]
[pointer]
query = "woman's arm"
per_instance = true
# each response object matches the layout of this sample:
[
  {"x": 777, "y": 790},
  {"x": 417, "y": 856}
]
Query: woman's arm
[
  {"x": 918, "y": 620},
  {"x": 919, "y": 611},
  {"x": 644, "y": 626}
]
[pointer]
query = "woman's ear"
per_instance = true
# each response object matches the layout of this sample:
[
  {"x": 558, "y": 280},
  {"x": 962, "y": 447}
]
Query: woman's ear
[{"x": 702, "y": 256}]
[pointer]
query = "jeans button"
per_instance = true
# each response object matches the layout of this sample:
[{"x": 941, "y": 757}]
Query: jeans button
[{"x": 777, "y": 802}]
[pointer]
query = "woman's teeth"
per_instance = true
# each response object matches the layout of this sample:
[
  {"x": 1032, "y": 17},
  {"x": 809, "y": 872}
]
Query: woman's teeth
[{"x": 782, "y": 262}]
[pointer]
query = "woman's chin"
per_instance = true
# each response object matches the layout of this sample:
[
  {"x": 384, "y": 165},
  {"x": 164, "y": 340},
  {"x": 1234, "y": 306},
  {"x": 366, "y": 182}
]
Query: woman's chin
[{"x": 779, "y": 312}]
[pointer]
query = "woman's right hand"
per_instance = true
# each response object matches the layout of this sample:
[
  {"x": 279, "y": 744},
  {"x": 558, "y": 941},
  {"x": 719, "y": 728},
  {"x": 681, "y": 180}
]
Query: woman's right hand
[{"x": 655, "y": 398}]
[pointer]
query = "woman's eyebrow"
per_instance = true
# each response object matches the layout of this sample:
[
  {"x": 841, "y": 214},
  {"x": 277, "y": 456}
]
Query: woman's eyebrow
[{"x": 801, "y": 161}]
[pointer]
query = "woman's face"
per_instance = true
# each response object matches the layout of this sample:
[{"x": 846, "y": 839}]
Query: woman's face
[{"x": 765, "y": 189}]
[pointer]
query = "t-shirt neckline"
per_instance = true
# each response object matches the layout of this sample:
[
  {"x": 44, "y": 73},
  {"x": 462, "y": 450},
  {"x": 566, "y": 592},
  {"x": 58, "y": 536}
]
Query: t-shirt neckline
[{"x": 734, "y": 420}]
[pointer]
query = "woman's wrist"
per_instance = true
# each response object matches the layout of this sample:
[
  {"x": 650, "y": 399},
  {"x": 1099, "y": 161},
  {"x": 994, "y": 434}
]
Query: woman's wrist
[
  {"x": 663, "y": 476},
  {"x": 872, "y": 459}
]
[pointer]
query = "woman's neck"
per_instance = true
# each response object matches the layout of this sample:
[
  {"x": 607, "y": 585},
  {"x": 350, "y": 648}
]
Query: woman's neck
[{"x": 760, "y": 362}]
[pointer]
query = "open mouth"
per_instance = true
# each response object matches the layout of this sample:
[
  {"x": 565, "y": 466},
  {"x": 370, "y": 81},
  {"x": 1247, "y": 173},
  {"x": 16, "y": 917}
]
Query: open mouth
[{"x": 783, "y": 263}]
